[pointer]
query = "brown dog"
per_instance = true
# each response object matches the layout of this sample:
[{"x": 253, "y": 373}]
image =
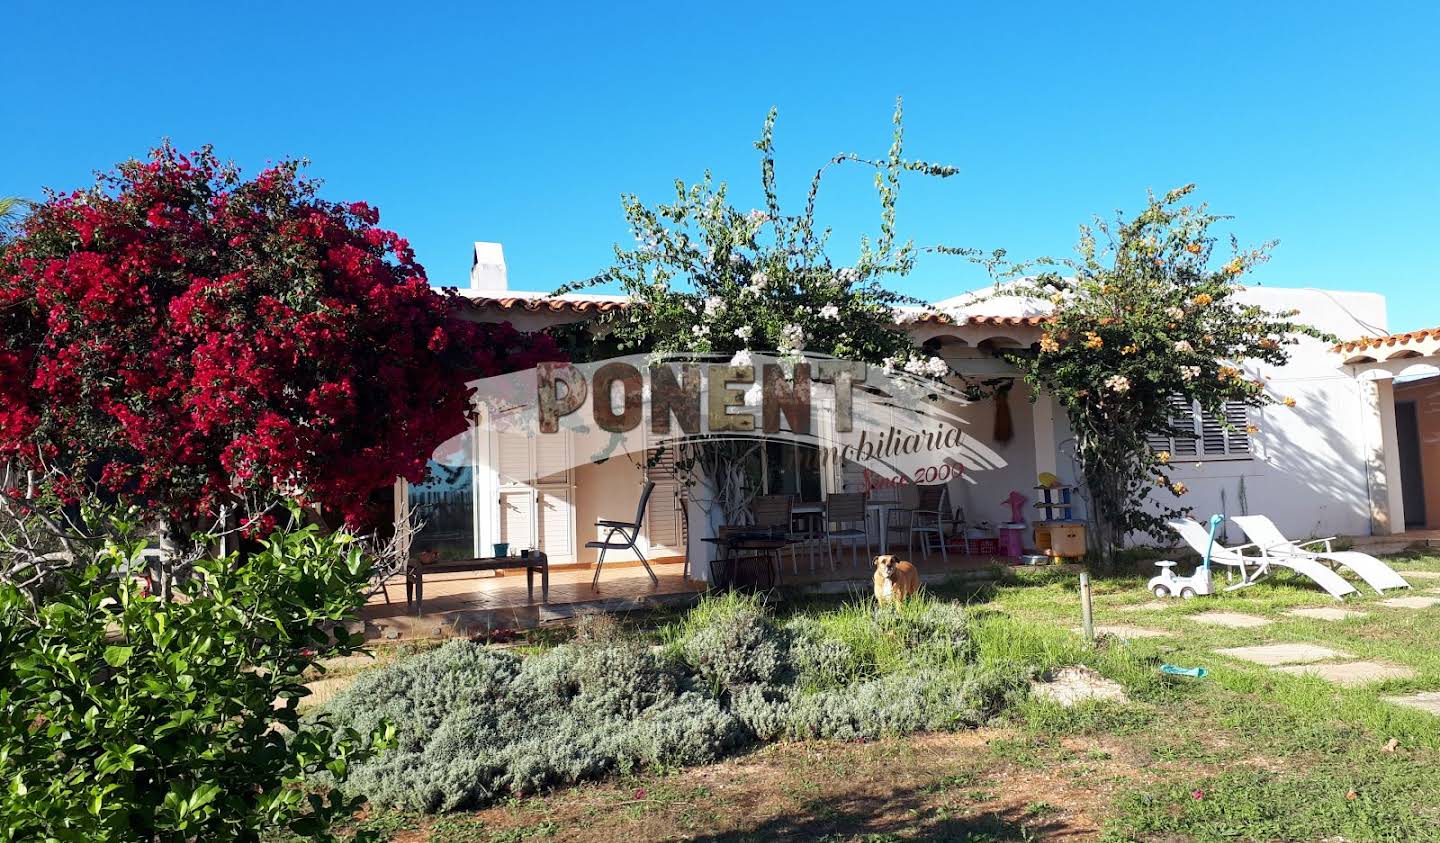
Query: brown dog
[{"x": 894, "y": 581}]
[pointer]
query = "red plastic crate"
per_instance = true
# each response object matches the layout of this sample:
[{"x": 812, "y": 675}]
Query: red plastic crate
[{"x": 981, "y": 547}]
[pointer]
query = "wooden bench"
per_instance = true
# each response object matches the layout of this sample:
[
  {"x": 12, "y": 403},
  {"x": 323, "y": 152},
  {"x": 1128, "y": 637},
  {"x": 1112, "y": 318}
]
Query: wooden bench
[{"x": 536, "y": 563}]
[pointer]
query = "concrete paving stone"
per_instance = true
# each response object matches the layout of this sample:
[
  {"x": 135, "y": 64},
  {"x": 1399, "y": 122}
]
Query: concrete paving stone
[
  {"x": 1123, "y": 631},
  {"x": 1428, "y": 701},
  {"x": 1351, "y": 674},
  {"x": 1070, "y": 685},
  {"x": 1419, "y": 575},
  {"x": 1325, "y": 613},
  {"x": 1234, "y": 620},
  {"x": 1383, "y": 548},
  {"x": 1273, "y": 654},
  {"x": 1417, "y": 602}
]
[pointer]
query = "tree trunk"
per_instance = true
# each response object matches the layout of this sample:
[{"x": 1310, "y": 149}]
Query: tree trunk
[
  {"x": 1099, "y": 479},
  {"x": 164, "y": 566}
]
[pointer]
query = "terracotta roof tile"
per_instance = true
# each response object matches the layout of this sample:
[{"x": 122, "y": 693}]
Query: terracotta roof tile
[
  {"x": 536, "y": 304},
  {"x": 946, "y": 319},
  {"x": 575, "y": 304},
  {"x": 1389, "y": 340}
]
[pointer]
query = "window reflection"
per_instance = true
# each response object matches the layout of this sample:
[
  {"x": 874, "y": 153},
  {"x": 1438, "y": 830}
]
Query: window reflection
[{"x": 445, "y": 504}]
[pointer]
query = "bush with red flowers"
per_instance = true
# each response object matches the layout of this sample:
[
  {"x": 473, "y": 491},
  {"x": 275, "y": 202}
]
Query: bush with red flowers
[{"x": 178, "y": 337}]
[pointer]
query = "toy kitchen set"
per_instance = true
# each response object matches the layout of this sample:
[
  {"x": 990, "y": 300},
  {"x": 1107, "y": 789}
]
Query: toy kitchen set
[{"x": 1057, "y": 536}]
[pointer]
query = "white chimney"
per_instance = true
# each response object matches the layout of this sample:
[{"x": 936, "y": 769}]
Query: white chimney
[{"x": 487, "y": 269}]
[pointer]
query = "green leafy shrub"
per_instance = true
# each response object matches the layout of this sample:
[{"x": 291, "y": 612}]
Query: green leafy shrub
[
  {"x": 735, "y": 645},
  {"x": 865, "y": 671},
  {"x": 896, "y": 704},
  {"x": 127, "y": 717},
  {"x": 475, "y": 724}
]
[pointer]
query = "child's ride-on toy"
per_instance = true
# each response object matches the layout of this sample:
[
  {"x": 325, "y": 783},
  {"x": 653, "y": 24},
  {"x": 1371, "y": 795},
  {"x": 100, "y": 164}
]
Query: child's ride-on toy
[{"x": 1198, "y": 583}]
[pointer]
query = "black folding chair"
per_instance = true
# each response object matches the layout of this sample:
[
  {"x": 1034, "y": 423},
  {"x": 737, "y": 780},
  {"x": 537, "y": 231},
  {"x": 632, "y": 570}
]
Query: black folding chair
[{"x": 623, "y": 535}]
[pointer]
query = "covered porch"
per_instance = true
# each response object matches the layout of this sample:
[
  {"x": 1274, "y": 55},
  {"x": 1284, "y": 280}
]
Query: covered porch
[
  {"x": 1403, "y": 373},
  {"x": 501, "y": 488},
  {"x": 467, "y": 605}
]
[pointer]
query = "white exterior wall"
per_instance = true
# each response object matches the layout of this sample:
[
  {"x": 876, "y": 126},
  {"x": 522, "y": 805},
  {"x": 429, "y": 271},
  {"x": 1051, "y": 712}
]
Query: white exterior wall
[
  {"x": 1313, "y": 470},
  {"x": 983, "y": 499},
  {"x": 1310, "y": 471}
]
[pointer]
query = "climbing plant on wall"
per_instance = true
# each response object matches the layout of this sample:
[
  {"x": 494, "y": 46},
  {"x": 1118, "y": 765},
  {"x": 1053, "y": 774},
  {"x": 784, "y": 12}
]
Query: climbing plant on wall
[{"x": 1149, "y": 313}]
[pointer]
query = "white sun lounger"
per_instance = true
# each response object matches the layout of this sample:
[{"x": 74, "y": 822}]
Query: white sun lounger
[
  {"x": 1252, "y": 568},
  {"x": 1263, "y": 532}
]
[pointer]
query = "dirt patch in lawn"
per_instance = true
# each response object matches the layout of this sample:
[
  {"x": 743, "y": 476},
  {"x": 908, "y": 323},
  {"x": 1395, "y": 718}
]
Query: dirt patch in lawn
[{"x": 990, "y": 784}]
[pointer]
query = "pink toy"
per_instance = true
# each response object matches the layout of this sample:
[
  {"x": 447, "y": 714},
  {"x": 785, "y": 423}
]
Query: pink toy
[
  {"x": 1010, "y": 542},
  {"x": 1016, "y": 502}
]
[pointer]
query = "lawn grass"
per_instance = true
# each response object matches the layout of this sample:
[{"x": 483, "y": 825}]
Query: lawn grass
[{"x": 1245, "y": 753}]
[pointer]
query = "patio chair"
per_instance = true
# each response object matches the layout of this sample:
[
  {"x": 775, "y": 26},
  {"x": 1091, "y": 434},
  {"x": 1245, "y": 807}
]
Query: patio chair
[
  {"x": 843, "y": 512},
  {"x": 1198, "y": 538},
  {"x": 623, "y": 535},
  {"x": 1261, "y": 530},
  {"x": 774, "y": 512},
  {"x": 744, "y": 566},
  {"x": 930, "y": 518}
]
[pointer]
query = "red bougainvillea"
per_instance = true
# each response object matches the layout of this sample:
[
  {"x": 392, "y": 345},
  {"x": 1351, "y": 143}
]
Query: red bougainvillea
[{"x": 178, "y": 336}]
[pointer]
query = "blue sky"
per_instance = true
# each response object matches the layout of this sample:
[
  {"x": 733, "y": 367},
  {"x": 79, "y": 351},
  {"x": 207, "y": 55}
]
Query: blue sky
[{"x": 1314, "y": 123}]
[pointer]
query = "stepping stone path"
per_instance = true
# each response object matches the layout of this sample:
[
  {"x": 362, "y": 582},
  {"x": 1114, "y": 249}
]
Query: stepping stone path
[
  {"x": 1121, "y": 631},
  {"x": 1276, "y": 654},
  {"x": 1234, "y": 620},
  {"x": 1426, "y": 701},
  {"x": 1419, "y": 575},
  {"x": 1313, "y": 660},
  {"x": 1071, "y": 685},
  {"x": 1351, "y": 674},
  {"x": 1325, "y": 613},
  {"x": 1411, "y": 602}
]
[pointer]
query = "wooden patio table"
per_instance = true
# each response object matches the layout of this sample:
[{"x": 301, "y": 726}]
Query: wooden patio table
[{"x": 536, "y": 563}]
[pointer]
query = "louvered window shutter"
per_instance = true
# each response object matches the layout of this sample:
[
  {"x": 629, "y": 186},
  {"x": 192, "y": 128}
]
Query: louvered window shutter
[
  {"x": 1226, "y": 435},
  {"x": 1184, "y": 419},
  {"x": 1213, "y": 436},
  {"x": 1238, "y": 437},
  {"x": 663, "y": 521}
]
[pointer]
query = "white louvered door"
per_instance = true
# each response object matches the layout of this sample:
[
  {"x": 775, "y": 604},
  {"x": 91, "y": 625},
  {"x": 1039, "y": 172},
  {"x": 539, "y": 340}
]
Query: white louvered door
[
  {"x": 555, "y": 526},
  {"x": 554, "y": 497},
  {"x": 664, "y": 522},
  {"x": 517, "y": 518},
  {"x": 536, "y": 496}
]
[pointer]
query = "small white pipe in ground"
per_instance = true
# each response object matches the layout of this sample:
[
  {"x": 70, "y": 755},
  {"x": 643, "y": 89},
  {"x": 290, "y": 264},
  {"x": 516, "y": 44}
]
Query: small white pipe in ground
[{"x": 1087, "y": 620}]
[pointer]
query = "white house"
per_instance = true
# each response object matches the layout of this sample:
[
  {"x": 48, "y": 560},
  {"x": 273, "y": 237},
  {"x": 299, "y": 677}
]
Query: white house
[{"x": 1323, "y": 467}]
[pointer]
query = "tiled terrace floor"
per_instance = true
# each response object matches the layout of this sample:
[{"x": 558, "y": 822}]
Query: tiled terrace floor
[{"x": 464, "y": 603}]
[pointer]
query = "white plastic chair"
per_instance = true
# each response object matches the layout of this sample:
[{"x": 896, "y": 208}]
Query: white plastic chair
[
  {"x": 930, "y": 518},
  {"x": 1263, "y": 532},
  {"x": 1195, "y": 535}
]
